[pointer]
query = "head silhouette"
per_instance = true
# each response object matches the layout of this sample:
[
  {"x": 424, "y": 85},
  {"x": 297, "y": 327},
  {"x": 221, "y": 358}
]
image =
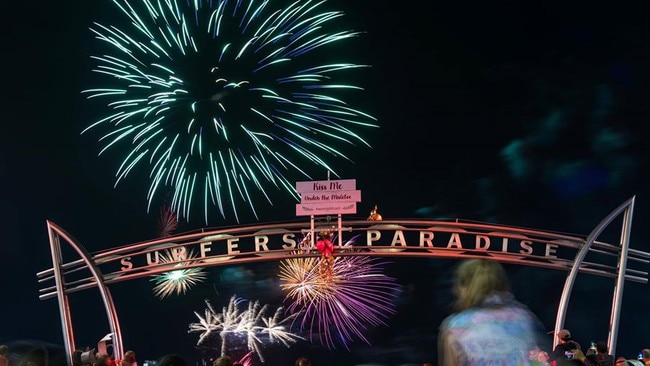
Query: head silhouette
[
  {"x": 303, "y": 361},
  {"x": 476, "y": 279}
]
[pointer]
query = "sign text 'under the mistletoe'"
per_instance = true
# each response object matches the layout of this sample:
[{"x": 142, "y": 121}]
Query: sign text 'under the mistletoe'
[{"x": 327, "y": 197}]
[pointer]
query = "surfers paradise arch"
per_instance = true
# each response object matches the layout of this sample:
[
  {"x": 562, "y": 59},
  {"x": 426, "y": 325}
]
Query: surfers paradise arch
[{"x": 387, "y": 238}]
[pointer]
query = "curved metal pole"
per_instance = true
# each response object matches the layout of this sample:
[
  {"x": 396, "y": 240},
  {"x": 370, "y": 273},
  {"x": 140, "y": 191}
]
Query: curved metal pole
[
  {"x": 64, "y": 305},
  {"x": 570, "y": 280},
  {"x": 620, "y": 280},
  {"x": 111, "y": 313}
]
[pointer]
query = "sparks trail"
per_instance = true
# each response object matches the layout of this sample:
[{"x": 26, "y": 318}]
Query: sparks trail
[
  {"x": 337, "y": 308},
  {"x": 251, "y": 326},
  {"x": 221, "y": 100}
]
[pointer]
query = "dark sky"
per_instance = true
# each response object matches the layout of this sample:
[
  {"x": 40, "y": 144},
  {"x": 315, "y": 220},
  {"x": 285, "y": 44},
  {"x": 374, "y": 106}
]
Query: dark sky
[{"x": 518, "y": 113}]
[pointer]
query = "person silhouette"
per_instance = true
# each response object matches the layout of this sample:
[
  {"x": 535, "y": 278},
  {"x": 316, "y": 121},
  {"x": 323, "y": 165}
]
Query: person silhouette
[
  {"x": 489, "y": 327},
  {"x": 4, "y": 355},
  {"x": 303, "y": 361}
]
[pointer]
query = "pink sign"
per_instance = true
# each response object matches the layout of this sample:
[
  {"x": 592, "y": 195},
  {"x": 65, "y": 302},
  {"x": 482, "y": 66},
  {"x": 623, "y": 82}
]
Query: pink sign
[
  {"x": 330, "y": 196},
  {"x": 326, "y": 185},
  {"x": 325, "y": 208}
]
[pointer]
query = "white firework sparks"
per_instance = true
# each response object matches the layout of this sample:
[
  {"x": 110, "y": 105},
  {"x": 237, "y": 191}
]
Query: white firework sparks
[
  {"x": 278, "y": 332},
  {"x": 206, "y": 324},
  {"x": 251, "y": 325},
  {"x": 179, "y": 280}
]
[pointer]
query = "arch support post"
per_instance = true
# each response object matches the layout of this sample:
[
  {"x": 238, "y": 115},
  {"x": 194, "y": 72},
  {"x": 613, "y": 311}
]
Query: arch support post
[
  {"x": 64, "y": 305},
  {"x": 620, "y": 278},
  {"x": 627, "y": 209},
  {"x": 56, "y": 234}
]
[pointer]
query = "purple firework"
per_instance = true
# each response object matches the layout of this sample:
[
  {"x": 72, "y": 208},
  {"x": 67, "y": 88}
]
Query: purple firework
[{"x": 357, "y": 296}]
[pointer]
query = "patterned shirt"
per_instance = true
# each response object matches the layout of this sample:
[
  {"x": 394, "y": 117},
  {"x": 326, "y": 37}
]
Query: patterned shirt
[{"x": 501, "y": 331}]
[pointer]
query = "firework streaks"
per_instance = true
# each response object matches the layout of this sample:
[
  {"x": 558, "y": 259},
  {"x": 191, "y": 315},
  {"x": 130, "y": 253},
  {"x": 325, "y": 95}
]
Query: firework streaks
[
  {"x": 246, "y": 360},
  {"x": 178, "y": 280},
  {"x": 252, "y": 325},
  {"x": 220, "y": 99},
  {"x": 355, "y": 297},
  {"x": 167, "y": 222}
]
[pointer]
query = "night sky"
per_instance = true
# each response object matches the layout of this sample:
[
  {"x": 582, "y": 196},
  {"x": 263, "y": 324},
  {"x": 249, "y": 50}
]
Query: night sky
[{"x": 516, "y": 113}]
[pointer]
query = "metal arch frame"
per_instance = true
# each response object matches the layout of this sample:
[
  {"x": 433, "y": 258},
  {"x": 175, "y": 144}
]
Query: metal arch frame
[
  {"x": 114, "y": 255},
  {"x": 55, "y": 233},
  {"x": 627, "y": 208}
]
